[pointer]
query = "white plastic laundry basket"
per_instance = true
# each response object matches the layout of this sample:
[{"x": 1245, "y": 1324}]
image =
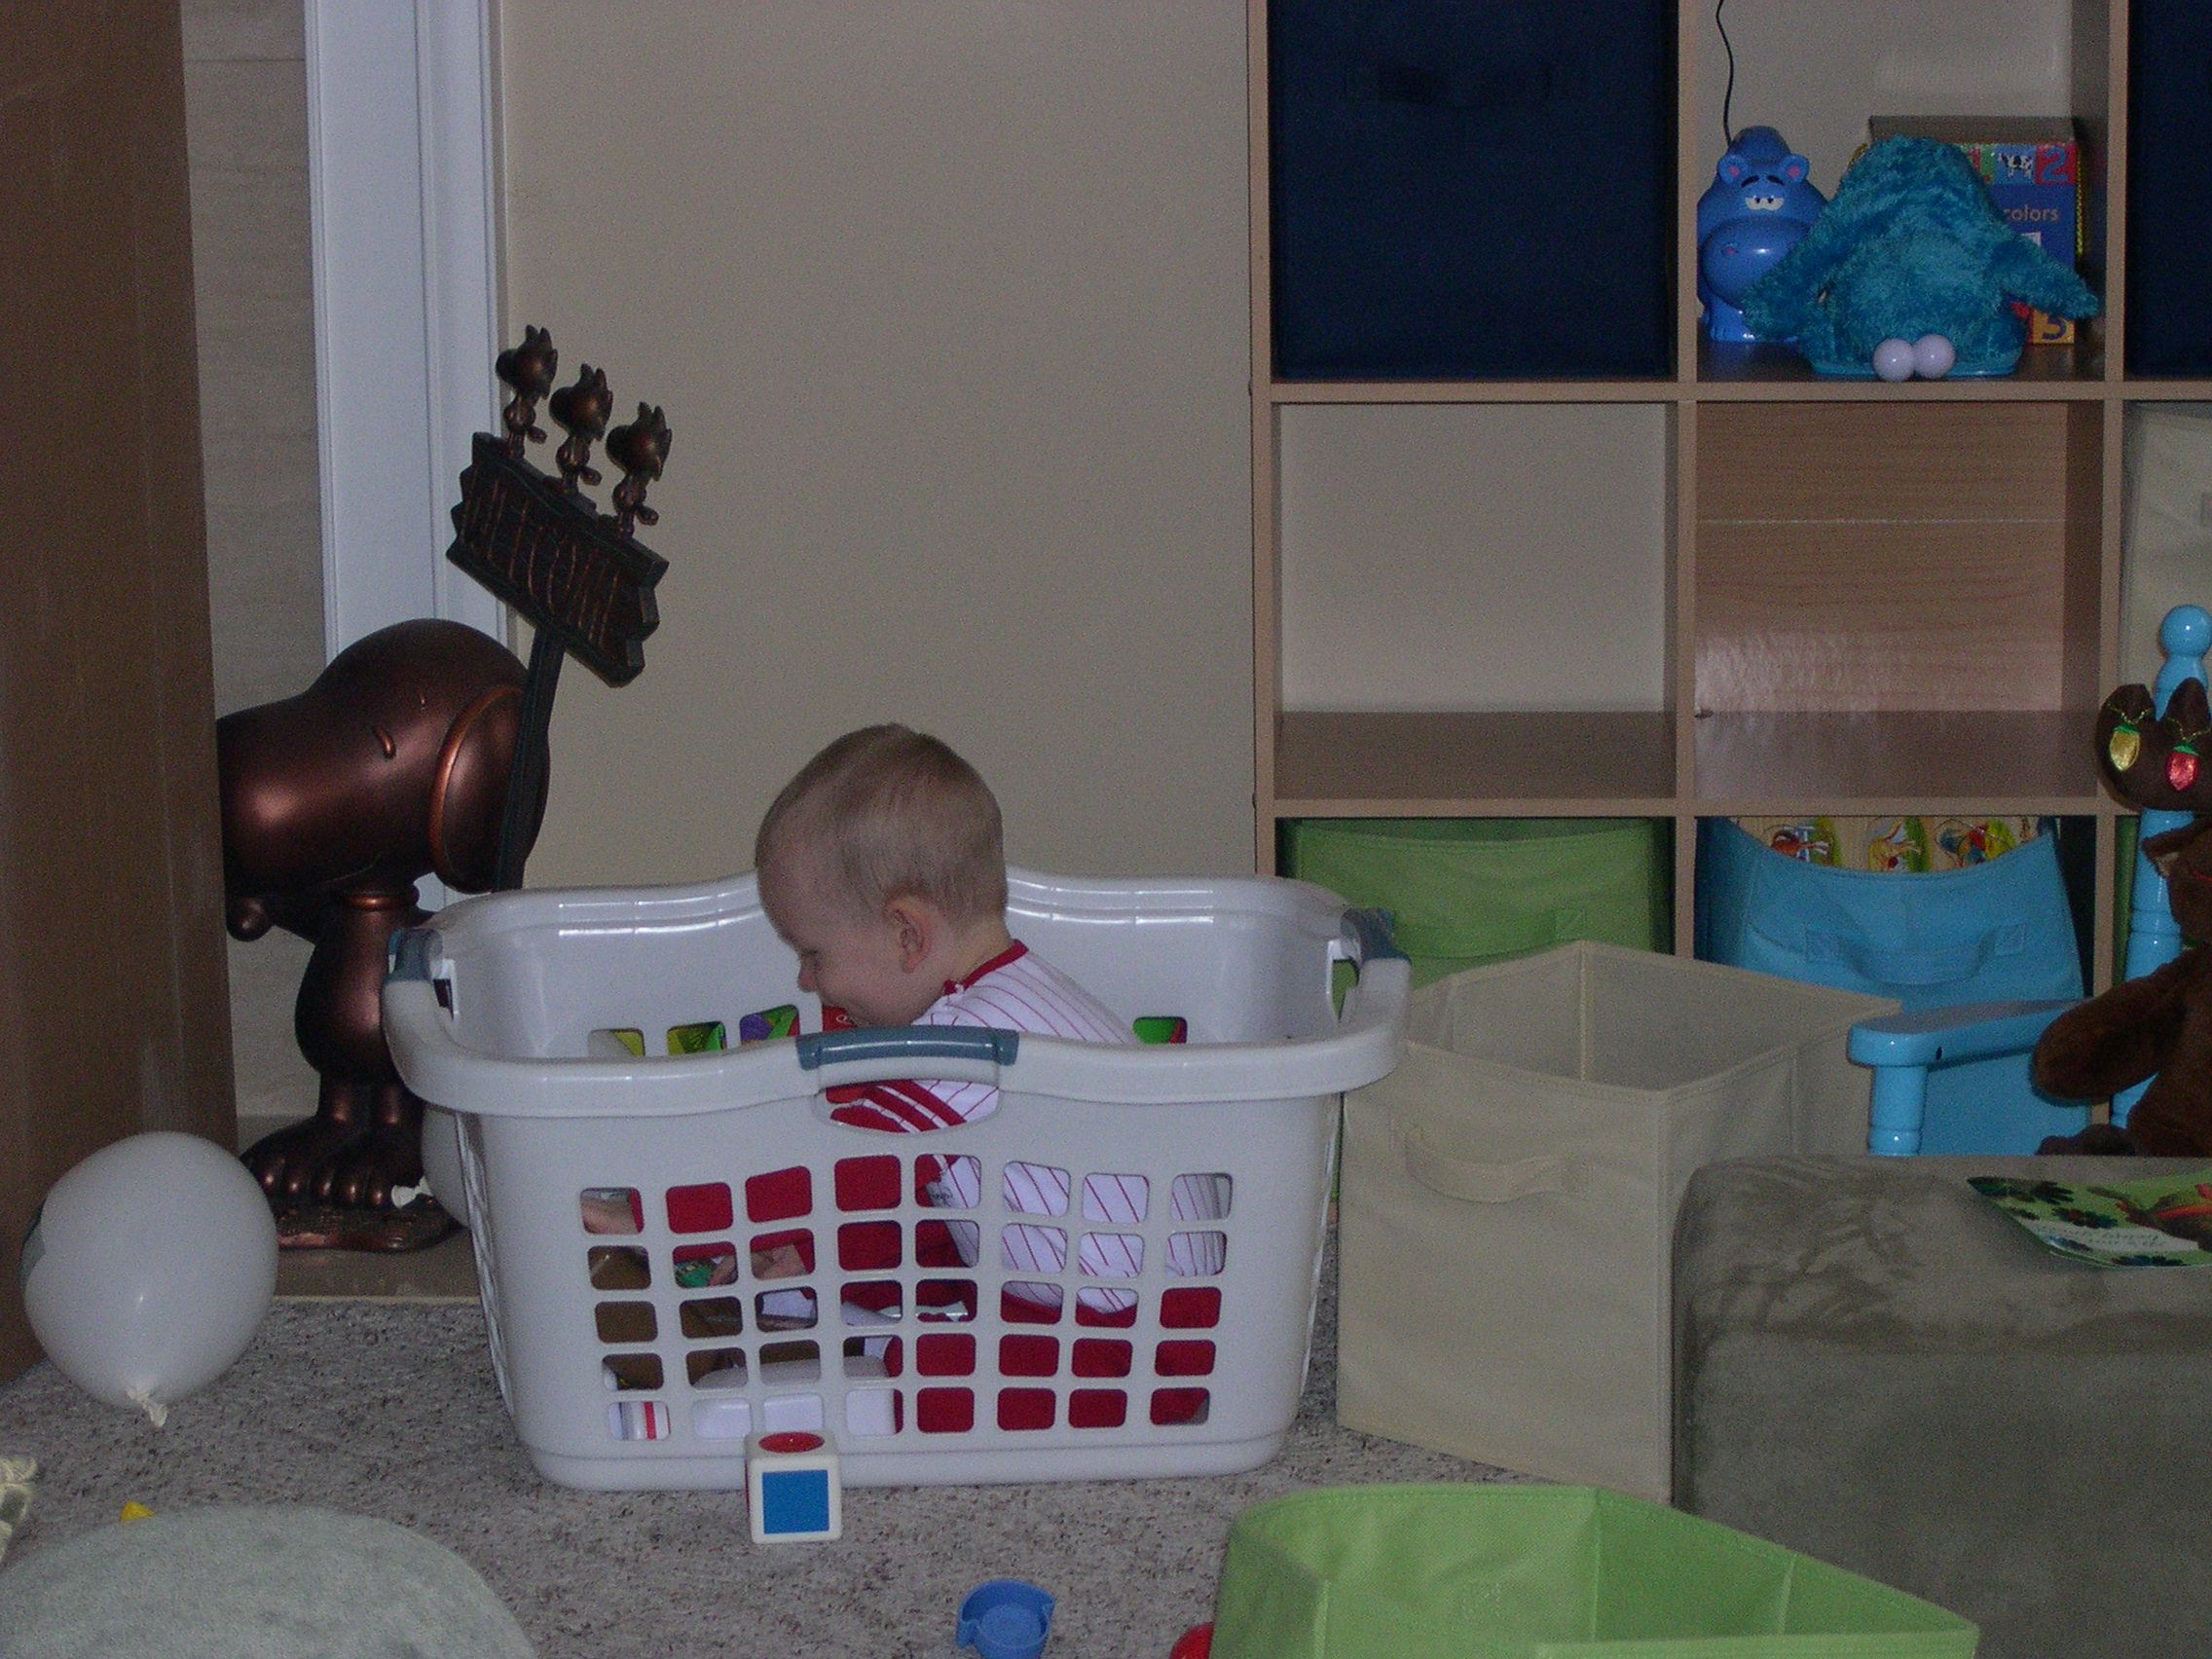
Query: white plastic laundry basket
[{"x": 680, "y": 1249}]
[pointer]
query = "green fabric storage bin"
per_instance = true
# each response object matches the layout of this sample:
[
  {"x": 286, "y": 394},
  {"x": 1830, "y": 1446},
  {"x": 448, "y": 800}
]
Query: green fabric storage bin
[
  {"x": 1465, "y": 892},
  {"x": 1494, "y": 1572}
]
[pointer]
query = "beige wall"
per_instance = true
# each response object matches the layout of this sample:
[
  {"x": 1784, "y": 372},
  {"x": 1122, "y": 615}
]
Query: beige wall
[
  {"x": 946, "y": 303},
  {"x": 1818, "y": 69},
  {"x": 246, "y": 131}
]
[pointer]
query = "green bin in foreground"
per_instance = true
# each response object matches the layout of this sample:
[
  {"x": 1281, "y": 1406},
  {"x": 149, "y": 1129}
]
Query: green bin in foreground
[{"x": 1495, "y": 1571}]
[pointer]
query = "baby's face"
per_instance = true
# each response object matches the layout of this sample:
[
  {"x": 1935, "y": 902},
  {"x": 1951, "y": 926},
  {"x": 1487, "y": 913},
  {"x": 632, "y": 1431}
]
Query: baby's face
[{"x": 852, "y": 961}]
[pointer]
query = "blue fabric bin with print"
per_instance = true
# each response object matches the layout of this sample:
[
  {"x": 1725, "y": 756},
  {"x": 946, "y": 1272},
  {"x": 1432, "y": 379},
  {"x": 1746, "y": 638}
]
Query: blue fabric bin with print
[{"x": 1991, "y": 931}]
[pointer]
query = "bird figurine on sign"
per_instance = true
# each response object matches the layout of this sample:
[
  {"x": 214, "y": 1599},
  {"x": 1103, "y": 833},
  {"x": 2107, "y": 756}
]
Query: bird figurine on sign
[
  {"x": 528, "y": 369},
  {"x": 639, "y": 450},
  {"x": 581, "y": 411}
]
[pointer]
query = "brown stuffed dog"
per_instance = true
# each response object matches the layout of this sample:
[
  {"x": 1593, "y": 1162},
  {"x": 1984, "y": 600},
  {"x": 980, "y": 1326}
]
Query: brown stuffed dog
[{"x": 2158, "y": 1026}]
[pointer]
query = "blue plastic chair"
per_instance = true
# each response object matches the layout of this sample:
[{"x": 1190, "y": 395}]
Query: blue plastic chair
[{"x": 1904, "y": 1047}]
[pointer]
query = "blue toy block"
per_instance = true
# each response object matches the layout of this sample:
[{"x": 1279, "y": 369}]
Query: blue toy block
[
  {"x": 794, "y": 1487},
  {"x": 795, "y": 1501}
]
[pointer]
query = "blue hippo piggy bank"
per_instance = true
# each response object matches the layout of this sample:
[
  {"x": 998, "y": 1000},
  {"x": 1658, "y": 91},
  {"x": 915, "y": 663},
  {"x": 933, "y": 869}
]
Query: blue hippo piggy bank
[{"x": 1755, "y": 211}]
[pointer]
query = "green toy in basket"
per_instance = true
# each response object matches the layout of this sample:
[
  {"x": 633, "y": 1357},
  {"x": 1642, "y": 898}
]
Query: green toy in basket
[
  {"x": 1498, "y": 1571},
  {"x": 768, "y": 1024},
  {"x": 700, "y": 1037}
]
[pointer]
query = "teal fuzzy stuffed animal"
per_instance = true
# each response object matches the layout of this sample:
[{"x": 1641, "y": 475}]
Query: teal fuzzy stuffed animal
[{"x": 1911, "y": 247}]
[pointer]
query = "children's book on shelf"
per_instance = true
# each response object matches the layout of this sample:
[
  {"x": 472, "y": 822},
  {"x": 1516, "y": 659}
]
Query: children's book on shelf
[{"x": 2031, "y": 168}]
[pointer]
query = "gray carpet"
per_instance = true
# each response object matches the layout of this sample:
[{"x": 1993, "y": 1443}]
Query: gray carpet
[{"x": 390, "y": 1410}]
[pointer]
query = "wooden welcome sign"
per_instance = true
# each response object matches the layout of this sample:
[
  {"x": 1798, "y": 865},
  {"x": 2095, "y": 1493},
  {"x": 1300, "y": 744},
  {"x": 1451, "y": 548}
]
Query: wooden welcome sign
[{"x": 577, "y": 575}]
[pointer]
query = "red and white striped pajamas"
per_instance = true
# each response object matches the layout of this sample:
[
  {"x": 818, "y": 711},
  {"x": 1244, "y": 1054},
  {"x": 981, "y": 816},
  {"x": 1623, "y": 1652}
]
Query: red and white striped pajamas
[{"x": 1016, "y": 991}]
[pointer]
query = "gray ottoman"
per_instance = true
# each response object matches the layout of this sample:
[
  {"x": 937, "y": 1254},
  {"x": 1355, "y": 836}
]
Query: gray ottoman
[{"x": 1875, "y": 1367}]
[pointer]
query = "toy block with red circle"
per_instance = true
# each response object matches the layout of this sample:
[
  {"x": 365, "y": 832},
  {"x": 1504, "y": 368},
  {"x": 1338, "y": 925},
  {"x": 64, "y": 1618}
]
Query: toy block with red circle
[{"x": 793, "y": 1488}]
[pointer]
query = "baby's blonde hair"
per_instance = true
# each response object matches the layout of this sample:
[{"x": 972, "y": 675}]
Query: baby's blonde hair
[{"x": 885, "y": 813}]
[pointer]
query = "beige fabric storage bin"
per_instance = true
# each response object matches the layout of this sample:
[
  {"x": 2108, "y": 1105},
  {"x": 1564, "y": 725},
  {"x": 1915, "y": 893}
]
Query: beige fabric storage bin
[{"x": 1509, "y": 1193}]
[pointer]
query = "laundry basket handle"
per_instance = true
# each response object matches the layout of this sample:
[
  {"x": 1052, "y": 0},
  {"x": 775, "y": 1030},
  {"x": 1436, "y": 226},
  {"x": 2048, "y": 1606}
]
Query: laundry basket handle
[
  {"x": 1367, "y": 931},
  {"x": 407, "y": 954},
  {"x": 820, "y": 1049},
  {"x": 1378, "y": 998}
]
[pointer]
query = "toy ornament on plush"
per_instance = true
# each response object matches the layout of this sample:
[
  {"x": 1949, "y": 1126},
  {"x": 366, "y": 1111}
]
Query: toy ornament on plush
[
  {"x": 2161, "y": 1023},
  {"x": 1911, "y": 270},
  {"x": 1755, "y": 211}
]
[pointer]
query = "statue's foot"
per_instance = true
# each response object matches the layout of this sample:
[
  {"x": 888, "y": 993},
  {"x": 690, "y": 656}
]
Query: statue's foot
[
  {"x": 361, "y": 1174},
  {"x": 327, "y": 1226},
  {"x": 2103, "y": 1140},
  {"x": 291, "y": 1161}
]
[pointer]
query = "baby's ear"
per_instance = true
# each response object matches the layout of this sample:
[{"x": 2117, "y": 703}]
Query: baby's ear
[{"x": 916, "y": 925}]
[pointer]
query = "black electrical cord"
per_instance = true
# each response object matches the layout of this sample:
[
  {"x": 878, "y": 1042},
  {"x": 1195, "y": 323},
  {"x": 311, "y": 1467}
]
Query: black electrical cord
[{"x": 1727, "y": 134}]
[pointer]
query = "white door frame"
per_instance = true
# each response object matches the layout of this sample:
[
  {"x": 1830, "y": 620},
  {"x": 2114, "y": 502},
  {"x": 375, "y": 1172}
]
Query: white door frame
[{"x": 403, "y": 205}]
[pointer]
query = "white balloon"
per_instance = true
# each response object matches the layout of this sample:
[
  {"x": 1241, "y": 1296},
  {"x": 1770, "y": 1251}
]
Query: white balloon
[
  {"x": 149, "y": 1268},
  {"x": 1893, "y": 360},
  {"x": 1932, "y": 356}
]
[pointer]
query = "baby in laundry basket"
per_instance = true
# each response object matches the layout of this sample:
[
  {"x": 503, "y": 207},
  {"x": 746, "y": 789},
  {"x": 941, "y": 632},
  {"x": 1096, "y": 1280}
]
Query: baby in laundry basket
[{"x": 883, "y": 866}]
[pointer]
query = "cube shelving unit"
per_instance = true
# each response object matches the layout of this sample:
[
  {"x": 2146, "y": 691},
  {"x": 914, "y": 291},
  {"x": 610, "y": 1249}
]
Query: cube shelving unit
[{"x": 1489, "y": 583}]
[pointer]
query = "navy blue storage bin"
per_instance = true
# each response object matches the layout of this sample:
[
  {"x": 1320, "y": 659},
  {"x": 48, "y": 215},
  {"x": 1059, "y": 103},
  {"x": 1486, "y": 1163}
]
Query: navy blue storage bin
[
  {"x": 1994, "y": 932},
  {"x": 1471, "y": 189},
  {"x": 2170, "y": 188}
]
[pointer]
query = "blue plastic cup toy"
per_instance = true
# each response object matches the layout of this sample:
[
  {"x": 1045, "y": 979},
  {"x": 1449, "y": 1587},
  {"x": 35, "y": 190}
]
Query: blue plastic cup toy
[{"x": 1005, "y": 1619}]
